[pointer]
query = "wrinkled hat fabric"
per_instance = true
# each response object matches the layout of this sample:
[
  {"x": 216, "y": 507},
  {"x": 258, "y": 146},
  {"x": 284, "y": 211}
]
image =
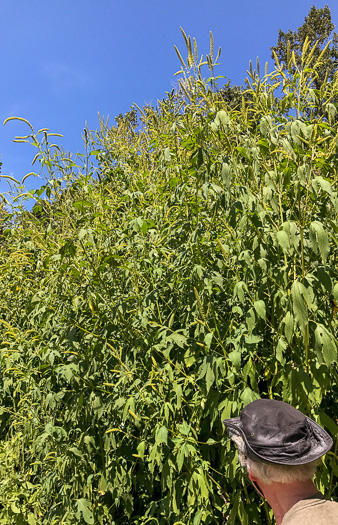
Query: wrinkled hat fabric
[{"x": 276, "y": 432}]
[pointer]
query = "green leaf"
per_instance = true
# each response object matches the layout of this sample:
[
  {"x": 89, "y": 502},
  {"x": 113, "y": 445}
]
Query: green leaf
[
  {"x": 324, "y": 279},
  {"x": 288, "y": 326},
  {"x": 209, "y": 377},
  {"x": 250, "y": 371},
  {"x": 14, "y": 508},
  {"x": 319, "y": 239},
  {"x": 335, "y": 292},
  {"x": 75, "y": 451},
  {"x": 141, "y": 448},
  {"x": 283, "y": 240},
  {"x": 260, "y": 309},
  {"x": 280, "y": 348},
  {"x": 239, "y": 290},
  {"x": 331, "y": 110},
  {"x": 250, "y": 320},
  {"x": 179, "y": 339},
  {"x": 161, "y": 436},
  {"x": 167, "y": 154},
  {"x": 82, "y": 205},
  {"x": 235, "y": 358},
  {"x": 253, "y": 339},
  {"x": 31, "y": 519},
  {"x": 324, "y": 184},
  {"x": 292, "y": 232},
  {"x": 325, "y": 345},
  {"x": 233, "y": 515},
  {"x": 295, "y": 129},
  {"x": 222, "y": 118},
  {"x": 208, "y": 339},
  {"x": 84, "y": 508},
  {"x": 299, "y": 306},
  {"x": 198, "y": 515},
  {"x": 242, "y": 151},
  {"x": 182, "y": 453},
  {"x": 329, "y": 423},
  {"x": 82, "y": 233},
  {"x": 248, "y": 395}
]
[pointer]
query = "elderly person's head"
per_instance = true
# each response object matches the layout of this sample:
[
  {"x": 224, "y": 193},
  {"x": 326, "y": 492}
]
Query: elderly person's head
[{"x": 281, "y": 449}]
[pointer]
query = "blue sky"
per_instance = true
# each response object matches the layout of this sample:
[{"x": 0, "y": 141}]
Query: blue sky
[{"x": 63, "y": 61}]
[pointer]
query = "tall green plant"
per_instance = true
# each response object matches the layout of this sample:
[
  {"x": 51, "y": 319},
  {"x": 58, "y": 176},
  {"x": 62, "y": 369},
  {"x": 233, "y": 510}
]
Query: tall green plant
[{"x": 144, "y": 302}]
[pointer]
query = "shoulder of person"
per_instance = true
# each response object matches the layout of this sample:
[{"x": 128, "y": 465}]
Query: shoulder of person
[{"x": 322, "y": 510}]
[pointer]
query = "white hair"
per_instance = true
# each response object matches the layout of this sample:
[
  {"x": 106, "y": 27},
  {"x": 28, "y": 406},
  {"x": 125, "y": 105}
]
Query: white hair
[{"x": 272, "y": 473}]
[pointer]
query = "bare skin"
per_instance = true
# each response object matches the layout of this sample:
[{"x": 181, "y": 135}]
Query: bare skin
[{"x": 282, "y": 496}]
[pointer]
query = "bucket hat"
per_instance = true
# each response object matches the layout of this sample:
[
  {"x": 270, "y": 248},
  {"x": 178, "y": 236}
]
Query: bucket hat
[{"x": 276, "y": 432}]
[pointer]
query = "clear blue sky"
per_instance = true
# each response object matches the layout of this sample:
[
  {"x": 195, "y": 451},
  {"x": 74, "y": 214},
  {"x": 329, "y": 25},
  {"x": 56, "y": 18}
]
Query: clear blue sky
[{"x": 63, "y": 61}]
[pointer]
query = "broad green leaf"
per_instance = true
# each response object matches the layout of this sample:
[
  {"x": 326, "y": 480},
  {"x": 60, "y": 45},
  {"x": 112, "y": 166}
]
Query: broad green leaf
[
  {"x": 239, "y": 290},
  {"x": 319, "y": 239},
  {"x": 233, "y": 515},
  {"x": 331, "y": 110},
  {"x": 184, "y": 428},
  {"x": 82, "y": 233},
  {"x": 235, "y": 358},
  {"x": 161, "y": 436},
  {"x": 15, "y": 509},
  {"x": 280, "y": 348},
  {"x": 141, "y": 448},
  {"x": 324, "y": 184},
  {"x": 299, "y": 305},
  {"x": 250, "y": 371},
  {"x": 209, "y": 377},
  {"x": 179, "y": 339},
  {"x": 252, "y": 339},
  {"x": 296, "y": 131},
  {"x": 325, "y": 279},
  {"x": 75, "y": 451},
  {"x": 260, "y": 309},
  {"x": 292, "y": 231},
  {"x": 242, "y": 151},
  {"x": 182, "y": 453},
  {"x": 288, "y": 326},
  {"x": 208, "y": 339},
  {"x": 250, "y": 320},
  {"x": 198, "y": 515},
  {"x": 248, "y": 395},
  {"x": 325, "y": 345},
  {"x": 222, "y": 118},
  {"x": 283, "y": 240},
  {"x": 84, "y": 509},
  {"x": 327, "y": 422},
  {"x": 82, "y": 205},
  {"x": 31, "y": 519}
]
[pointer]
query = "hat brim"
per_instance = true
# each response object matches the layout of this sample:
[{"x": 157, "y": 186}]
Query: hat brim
[{"x": 321, "y": 443}]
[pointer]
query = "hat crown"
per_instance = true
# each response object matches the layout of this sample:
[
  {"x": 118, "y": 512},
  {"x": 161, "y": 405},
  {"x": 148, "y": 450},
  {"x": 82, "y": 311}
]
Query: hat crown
[
  {"x": 274, "y": 424},
  {"x": 275, "y": 432}
]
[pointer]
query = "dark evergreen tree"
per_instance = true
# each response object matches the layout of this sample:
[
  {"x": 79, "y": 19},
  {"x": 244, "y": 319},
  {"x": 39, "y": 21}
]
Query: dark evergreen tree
[{"x": 318, "y": 27}]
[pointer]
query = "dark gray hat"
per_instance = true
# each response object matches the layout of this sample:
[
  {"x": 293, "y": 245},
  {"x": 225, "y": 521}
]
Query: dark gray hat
[{"x": 275, "y": 432}]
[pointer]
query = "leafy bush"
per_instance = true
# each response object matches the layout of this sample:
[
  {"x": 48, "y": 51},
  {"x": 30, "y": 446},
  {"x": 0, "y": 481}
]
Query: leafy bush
[{"x": 145, "y": 300}]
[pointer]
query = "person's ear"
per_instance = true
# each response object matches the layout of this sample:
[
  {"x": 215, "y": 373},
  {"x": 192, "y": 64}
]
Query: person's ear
[{"x": 252, "y": 477}]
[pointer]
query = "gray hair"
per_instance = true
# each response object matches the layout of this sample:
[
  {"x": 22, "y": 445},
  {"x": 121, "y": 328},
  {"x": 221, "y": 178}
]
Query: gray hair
[{"x": 269, "y": 473}]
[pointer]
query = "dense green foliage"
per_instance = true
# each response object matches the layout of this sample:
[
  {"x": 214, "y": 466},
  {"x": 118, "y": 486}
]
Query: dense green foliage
[{"x": 145, "y": 300}]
